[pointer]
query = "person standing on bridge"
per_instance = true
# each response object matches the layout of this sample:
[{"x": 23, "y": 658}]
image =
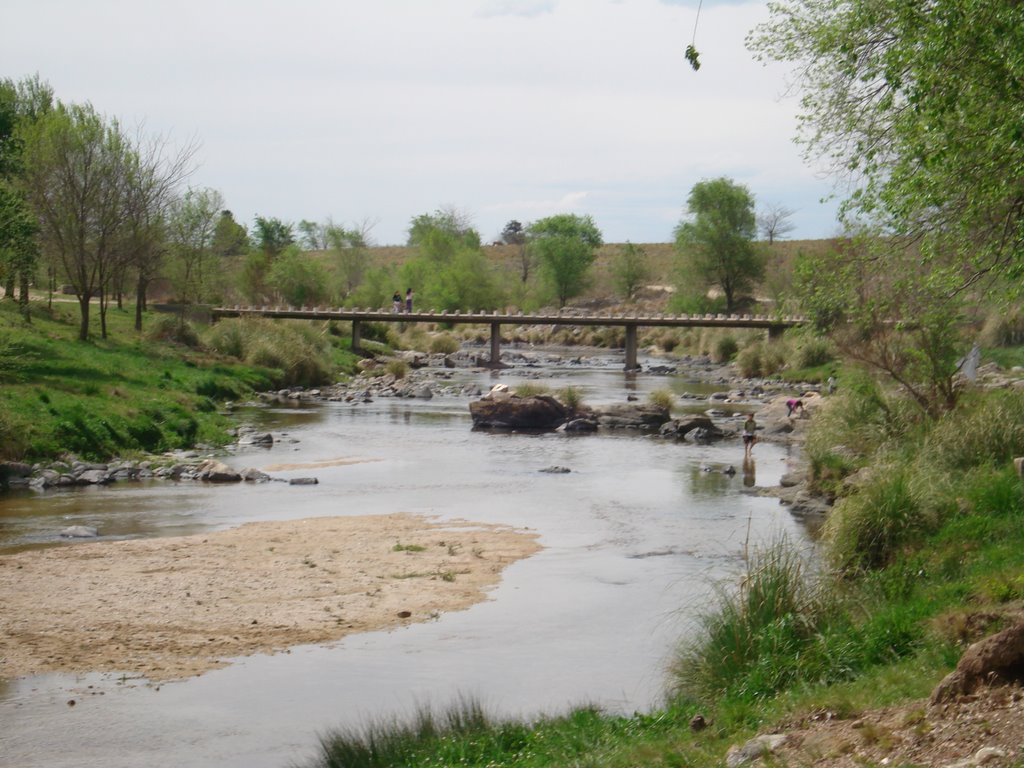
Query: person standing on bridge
[
  {"x": 408, "y": 300},
  {"x": 396, "y": 302}
]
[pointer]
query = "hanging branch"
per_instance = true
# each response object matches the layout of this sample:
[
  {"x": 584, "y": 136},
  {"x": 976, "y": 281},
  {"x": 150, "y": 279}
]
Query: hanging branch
[{"x": 691, "y": 54}]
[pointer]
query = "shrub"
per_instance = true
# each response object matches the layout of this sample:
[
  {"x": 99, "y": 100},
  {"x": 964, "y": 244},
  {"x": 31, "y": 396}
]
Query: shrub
[
  {"x": 571, "y": 397},
  {"x": 663, "y": 398},
  {"x": 299, "y": 352},
  {"x": 397, "y": 368},
  {"x": 811, "y": 352},
  {"x": 725, "y": 349},
  {"x": 760, "y": 636},
  {"x": 531, "y": 388},
  {"x": 749, "y": 361},
  {"x": 867, "y": 530},
  {"x": 987, "y": 431},
  {"x": 175, "y": 329},
  {"x": 445, "y": 344}
]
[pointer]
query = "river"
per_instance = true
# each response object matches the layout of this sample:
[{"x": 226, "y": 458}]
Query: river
[{"x": 634, "y": 536}]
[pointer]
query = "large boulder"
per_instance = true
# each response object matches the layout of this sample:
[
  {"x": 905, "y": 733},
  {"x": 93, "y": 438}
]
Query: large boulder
[
  {"x": 998, "y": 659},
  {"x": 645, "y": 416},
  {"x": 213, "y": 471},
  {"x": 504, "y": 411},
  {"x": 704, "y": 429}
]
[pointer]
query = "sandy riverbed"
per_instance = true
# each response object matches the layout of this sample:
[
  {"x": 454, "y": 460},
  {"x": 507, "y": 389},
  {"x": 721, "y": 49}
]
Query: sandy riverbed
[{"x": 176, "y": 607}]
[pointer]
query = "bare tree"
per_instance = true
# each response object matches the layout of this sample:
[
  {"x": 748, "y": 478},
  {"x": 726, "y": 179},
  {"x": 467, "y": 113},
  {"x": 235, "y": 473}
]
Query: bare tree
[
  {"x": 151, "y": 194},
  {"x": 774, "y": 222}
]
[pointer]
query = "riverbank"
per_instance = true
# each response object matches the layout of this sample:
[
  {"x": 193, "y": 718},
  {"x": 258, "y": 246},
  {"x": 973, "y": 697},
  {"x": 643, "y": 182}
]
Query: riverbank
[{"x": 172, "y": 608}]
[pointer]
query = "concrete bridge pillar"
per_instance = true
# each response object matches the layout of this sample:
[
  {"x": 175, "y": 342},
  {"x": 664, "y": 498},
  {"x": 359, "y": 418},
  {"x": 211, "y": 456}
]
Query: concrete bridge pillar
[
  {"x": 356, "y": 335},
  {"x": 631, "y": 363},
  {"x": 775, "y": 332},
  {"x": 495, "y": 345}
]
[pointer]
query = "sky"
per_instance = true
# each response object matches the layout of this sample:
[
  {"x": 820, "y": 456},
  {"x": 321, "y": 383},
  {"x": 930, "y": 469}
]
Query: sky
[{"x": 372, "y": 113}]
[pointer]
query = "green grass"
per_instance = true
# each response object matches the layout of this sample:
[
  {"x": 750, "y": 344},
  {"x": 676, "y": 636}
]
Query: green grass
[{"x": 120, "y": 396}]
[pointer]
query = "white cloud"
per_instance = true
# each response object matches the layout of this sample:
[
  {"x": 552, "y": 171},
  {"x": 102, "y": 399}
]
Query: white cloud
[{"x": 389, "y": 109}]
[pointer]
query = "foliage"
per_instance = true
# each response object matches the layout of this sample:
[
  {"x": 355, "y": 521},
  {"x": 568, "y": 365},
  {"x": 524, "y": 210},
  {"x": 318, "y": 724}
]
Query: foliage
[
  {"x": 716, "y": 243},
  {"x": 630, "y": 269},
  {"x": 445, "y": 344},
  {"x": 298, "y": 279},
  {"x": 229, "y": 237},
  {"x": 298, "y": 353},
  {"x": 565, "y": 245},
  {"x": 272, "y": 235},
  {"x": 192, "y": 228},
  {"x": 449, "y": 271},
  {"x": 726, "y": 348},
  {"x": 882, "y": 307},
  {"x": 571, "y": 398},
  {"x": 349, "y": 248},
  {"x": 439, "y": 234},
  {"x": 879, "y": 103}
]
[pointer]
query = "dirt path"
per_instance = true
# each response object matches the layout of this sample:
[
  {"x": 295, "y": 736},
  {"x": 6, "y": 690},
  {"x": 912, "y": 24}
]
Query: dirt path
[{"x": 175, "y": 607}]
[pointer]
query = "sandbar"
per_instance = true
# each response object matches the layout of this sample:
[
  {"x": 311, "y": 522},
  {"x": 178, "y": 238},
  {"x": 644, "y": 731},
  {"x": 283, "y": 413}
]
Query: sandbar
[{"x": 172, "y": 608}]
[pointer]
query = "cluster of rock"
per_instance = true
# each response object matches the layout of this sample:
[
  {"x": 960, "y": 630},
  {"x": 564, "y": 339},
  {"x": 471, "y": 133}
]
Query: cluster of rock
[{"x": 175, "y": 466}]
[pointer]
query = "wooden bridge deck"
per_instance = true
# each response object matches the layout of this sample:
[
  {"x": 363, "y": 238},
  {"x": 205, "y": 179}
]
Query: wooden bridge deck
[{"x": 774, "y": 325}]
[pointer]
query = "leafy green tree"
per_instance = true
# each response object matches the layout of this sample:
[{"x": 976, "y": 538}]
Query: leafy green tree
[
  {"x": 313, "y": 235},
  {"x": 349, "y": 247},
  {"x": 297, "y": 278},
  {"x": 273, "y": 235},
  {"x": 514, "y": 233},
  {"x": 565, "y": 246},
  {"x": 76, "y": 163},
  {"x": 630, "y": 269},
  {"x": 917, "y": 106},
  {"x": 716, "y": 243},
  {"x": 192, "y": 228},
  {"x": 450, "y": 270},
  {"x": 21, "y": 104},
  {"x": 229, "y": 237}
]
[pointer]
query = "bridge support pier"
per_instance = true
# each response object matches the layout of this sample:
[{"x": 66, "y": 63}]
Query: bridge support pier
[
  {"x": 356, "y": 335},
  {"x": 631, "y": 363},
  {"x": 775, "y": 332},
  {"x": 495, "y": 345}
]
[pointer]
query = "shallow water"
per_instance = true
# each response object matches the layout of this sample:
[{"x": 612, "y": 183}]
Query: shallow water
[{"x": 633, "y": 538}]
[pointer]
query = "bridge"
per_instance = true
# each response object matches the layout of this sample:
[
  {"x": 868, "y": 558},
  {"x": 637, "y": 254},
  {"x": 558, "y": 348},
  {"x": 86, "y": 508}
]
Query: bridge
[{"x": 630, "y": 322}]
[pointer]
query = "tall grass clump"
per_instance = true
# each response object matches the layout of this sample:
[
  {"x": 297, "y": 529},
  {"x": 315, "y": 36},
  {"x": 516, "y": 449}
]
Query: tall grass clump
[
  {"x": 725, "y": 348},
  {"x": 571, "y": 398},
  {"x": 762, "y": 635},
  {"x": 397, "y": 368},
  {"x": 531, "y": 389},
  {"x": 445, "y": 344},
  {"x": 860, "y": 422},
  {"x": 987, "y": 430},
  {"x": 870, "y": 528},
  {"x": 392, "y": 742},
  {"x": 663, "y": 398},
  {"x": 298, "y": 352}
]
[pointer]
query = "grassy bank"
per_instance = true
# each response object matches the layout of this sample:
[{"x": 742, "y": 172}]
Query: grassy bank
[
  {"x": 136, "y": 393},
  {"x": 922, "y": 554}
]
